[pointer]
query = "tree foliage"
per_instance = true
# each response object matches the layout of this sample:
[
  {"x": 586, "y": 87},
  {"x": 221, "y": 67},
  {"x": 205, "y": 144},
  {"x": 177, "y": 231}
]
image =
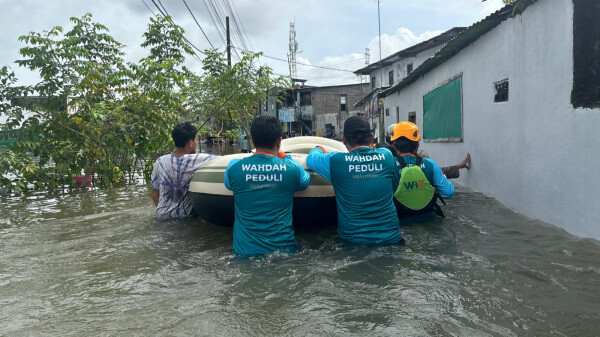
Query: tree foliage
[
  {"x": 228, "y": 98},
  {"x": 94, "y": 114}
]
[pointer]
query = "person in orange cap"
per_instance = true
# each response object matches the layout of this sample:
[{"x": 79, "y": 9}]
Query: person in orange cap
[
  {"x": 451, "y": 172},
  {"x": 421, "y": 179}
]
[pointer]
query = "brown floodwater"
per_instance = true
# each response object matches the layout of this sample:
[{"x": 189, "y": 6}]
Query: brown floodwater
[{"x": 98, "y": 263}]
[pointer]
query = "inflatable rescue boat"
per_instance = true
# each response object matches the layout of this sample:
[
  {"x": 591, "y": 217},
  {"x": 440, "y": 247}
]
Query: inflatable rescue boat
[{"x": 313, "y": 207}]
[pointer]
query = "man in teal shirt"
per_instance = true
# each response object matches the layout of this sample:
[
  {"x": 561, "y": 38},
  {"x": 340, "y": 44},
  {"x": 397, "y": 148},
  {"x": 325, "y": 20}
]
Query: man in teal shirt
[
  {"x": 364, "y": 181},
  {"x": 263, "y": 188}
]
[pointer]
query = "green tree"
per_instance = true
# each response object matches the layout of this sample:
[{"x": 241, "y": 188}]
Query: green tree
[
  {"x": 93, "y": 112},
  {"x": 228, "y": 98}
]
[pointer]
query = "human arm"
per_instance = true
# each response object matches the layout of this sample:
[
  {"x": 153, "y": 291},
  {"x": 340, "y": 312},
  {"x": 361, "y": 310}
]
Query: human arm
[
  {"x": 197, "y": 160},
  {"x": 396, "y": 174},
  {"x": 466, "y": 163},
  {"x": 226, "y": 175},
  {"x": 154, "y": 184},
  {"x": 318, "y": 161},
  {"x": 155, "y": 196},
  {"x": 442, "y": 185},
  {"x": 304, "y": 176},
  {"x": 451, "y": 172}
]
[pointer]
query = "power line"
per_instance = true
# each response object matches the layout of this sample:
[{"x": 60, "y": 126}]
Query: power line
[
  {"x": 151, "y": 11},
  {"x": 347, "y": 62},
  {"x": 165, "y": 13},
  {"x": 302, "y": 64},
  {"x": 325, "y": 76},
  {"x": 163, "y": 7},
  {"x": 218, "y": 13},
  {"x": 242, "y": 24},
  {"x": 197, "y": 23},
  {"x": 213, "y": 20},
  {"x": 236, "y": 23},
  {"x": 159, "y": 9},
  {"x": 227, "y": 9}
]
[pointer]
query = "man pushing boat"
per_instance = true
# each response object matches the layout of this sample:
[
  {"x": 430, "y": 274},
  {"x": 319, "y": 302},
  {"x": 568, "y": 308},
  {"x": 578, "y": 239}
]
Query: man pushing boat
[
  {"x": 173, "y": 172},
  {"x": 263, "y": 188},
  {"x": 364, "y": 181}
]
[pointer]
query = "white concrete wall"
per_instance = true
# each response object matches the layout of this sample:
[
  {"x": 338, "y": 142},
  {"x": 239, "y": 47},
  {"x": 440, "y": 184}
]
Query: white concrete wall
[
  {"x": 399, "y": 67},
  {"x": 535, "y": 153}
]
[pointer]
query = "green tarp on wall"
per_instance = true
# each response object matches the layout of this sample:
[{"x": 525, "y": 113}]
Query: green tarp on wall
[{"x": 442, "y": 112}]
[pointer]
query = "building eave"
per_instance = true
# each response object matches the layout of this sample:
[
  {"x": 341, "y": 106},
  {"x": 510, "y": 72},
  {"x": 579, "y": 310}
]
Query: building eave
[
  {"x": 460, "y": 42},
  {"x": 373, "y": 93},
  {"x": 413, "y": 50}
]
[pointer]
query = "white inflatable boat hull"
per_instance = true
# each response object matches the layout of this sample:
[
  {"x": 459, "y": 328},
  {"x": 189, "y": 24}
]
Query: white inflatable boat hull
[{"x": 313, "y": 207}]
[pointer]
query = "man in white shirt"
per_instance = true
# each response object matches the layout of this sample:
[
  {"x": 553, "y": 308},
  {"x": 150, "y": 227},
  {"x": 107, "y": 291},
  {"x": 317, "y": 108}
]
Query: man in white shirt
[{"x": 173, "y": 172}]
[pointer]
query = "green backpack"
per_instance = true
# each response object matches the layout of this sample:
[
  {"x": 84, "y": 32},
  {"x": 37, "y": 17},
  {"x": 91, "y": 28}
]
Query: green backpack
[{"x": 414, "y": 190}]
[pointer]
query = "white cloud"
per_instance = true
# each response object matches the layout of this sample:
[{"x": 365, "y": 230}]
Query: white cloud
[
  {"x": 401, "y": 39},
  {"x": 331, "y": 33}
]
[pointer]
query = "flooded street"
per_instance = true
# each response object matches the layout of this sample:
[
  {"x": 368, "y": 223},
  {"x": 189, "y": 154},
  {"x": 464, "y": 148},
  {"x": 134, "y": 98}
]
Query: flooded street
[{"x": 97, "y": 263}]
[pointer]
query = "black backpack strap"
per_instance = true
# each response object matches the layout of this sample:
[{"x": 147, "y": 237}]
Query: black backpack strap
[
  {"x": 436, "y": 207},
  {"x": 438, "y": 196},
  {"x": 419, "y": 161},
  {"x": 438, "y": 211},
  {"x": 402, "y": 162}
]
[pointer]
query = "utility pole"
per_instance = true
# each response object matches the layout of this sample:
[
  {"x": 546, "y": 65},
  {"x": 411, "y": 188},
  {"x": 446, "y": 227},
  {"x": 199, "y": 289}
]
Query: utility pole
[
  {"x": 228, "y": 42},
  {"x": 229, "y": 60},
  {"x": 381, "y": 117}
]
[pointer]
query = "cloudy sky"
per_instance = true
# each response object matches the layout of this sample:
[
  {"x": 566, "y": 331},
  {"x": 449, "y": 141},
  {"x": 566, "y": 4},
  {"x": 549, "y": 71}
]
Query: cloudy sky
[{"x": 330, "y": 33}]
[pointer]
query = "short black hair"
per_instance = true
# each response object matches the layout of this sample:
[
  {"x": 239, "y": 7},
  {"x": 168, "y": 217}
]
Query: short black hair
[
  {"x": 358, "y": 141},
  {"x": 386, "y": 146},
  {"x": 405, "y": 145},
  {"x": 265, "y": 131},
  {"x": 183, "y": 133}
]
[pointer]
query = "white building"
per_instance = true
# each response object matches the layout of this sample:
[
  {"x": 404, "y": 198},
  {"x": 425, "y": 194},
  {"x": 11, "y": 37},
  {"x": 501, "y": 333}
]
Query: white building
[
  {"x": 522, "y": 95},
  {"x": 395, "y": 68}
]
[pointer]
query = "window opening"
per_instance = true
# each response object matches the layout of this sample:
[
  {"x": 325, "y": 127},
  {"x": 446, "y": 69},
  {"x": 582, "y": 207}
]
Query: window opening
[
  {"x": 343, "y": 102},
  {"x": 305, "y": 99},
  {"x": 501, "y": 91},
  {"x": 391, "y": 77},
  {"x": 409, "y": 68},
  {"x": 412, "y": 117}
]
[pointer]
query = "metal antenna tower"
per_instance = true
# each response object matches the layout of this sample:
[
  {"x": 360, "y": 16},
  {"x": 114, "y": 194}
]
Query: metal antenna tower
[
  {"x": 367, "y": 62},
  {"x": 293, "y": 50}
]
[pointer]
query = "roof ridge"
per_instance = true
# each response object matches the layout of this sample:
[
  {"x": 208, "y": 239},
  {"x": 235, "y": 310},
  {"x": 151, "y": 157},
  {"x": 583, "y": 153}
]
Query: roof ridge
[
  {"x": 444, "y": 34},
  {"x": 458, "y": 43}
]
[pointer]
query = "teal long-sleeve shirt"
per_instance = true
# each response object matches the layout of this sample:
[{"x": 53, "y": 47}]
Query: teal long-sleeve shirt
[
  {"x": 434, "y": 174},
  {"x": 263, "y": 188},
  {"x": 364, "y": 181}
]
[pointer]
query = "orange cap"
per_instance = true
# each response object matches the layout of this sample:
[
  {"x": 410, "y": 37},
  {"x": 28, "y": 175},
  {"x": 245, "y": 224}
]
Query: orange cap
[{"x": 406, "y": 129}]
